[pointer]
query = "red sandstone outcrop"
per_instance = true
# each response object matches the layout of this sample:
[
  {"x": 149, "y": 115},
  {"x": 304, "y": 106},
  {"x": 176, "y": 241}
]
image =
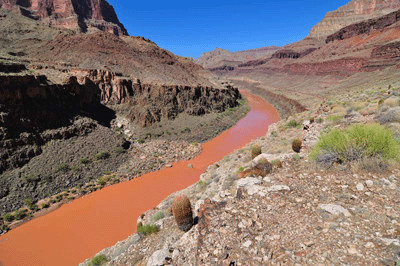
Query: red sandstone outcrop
[
  {"x": 365, "y": 27},
  {"x": 72, "y": 14},
  {"x": 353, "y": 12}
]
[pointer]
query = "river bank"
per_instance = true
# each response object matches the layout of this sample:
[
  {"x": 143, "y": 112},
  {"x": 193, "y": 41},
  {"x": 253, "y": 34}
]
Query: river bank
[{"x": 79, "y": 229}]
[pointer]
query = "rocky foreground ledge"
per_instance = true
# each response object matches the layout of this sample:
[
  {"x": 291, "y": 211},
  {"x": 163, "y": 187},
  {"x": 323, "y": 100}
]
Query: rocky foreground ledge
[{"x": 299, "y": 214}]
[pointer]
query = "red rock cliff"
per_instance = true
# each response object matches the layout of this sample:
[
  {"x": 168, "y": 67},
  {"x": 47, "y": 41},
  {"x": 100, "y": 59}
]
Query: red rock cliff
[{"x": 83, "y": 15}]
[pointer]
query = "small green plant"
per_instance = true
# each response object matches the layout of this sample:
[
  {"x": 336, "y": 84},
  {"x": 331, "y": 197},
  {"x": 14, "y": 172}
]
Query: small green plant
[
  {"x": 296, "y": 145},
  {"x": 381, "y": 101},
  {"x": 120, "y": 150},
  {"x": 241, "y": 169},
  {"x": 20, "y": 214},
  {"x": 63, "y": 168},
  {"x": 292, "y": 123},
  {"x": 45, "y": 205},
  {"x": 255, "y": 151},
  {"x": 263, "y": 167},
  {"x": 28, "y": 202},
  {"x": 31, "y": 178},
  {"x": 4, "y": 228},
  {"x": 335, "y": 119},
  {"x": 182, "y": 210},
  {"x": 98, "y": 260},
  {"x": 102, "y": 155},
  {"x": 296, "y": 156},
  {"x": 140, "y": 141},
  {"x": 85, "y": 160},
  {"x": 320, "y": 120},
  {"x": 356, "y": 143},
  {"x": 147, "y": 229},
  {"x": 274, "y": 134},
  {"x": 277, "y": 163},
  {"x": 101, "y": 182},
  {"x": 8, "y": 217},
  {"x": 158, "y": 216}
]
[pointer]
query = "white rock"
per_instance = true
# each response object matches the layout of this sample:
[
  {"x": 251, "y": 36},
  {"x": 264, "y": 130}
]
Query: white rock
[
  {"x": 267, "y": 179},
  {"x": 175, "y": 254},
  {"x": 248, "y": 181},
  {"x": 334, "y": 209},
  {"x": 388, "y": 241},
  {"x": 247, "y": 244},
  {"x": 158, "y": 257},
  {"x": 360, "y": 187},
  {"x": 369, "y": 183},
  {"x": 256, "y": 190},
  {"x": 369, "y": 245},
  {"x": 277, "y": 188}
]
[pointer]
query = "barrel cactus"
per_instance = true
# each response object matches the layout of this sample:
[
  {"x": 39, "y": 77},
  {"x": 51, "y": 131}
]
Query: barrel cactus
[
  {"x": 296, "y": 145},
  {"x": 182, "y": 210}
]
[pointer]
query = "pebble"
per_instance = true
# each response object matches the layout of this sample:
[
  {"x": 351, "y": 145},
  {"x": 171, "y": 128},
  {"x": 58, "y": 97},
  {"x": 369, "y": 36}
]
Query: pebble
[
  {"x": 334, "y": 209},
  {"x": 369, "y": 245},
  {"x": 247, "y": 244},
  {"x": 360, "y": 187},
  {"x": 369, "y": 183}
]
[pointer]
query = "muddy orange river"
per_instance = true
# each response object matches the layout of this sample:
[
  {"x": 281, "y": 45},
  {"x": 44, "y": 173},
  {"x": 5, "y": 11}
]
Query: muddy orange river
[{"x": 78, "y": 230}]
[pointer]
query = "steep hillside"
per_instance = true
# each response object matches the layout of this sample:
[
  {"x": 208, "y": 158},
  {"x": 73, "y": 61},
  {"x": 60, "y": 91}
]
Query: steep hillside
[
  {"x": 220, "y": 57},
  {"x": 84, "y": 15},
  {"x": 353, "y": 12}
]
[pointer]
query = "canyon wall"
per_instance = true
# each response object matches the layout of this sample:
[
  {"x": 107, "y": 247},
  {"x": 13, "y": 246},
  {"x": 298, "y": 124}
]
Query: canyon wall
[
  {"x": 353, "y": 12},
  {"x": 72, "y": 14}
]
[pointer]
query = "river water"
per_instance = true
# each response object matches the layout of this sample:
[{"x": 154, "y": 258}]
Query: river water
[{"x": 80, "y": 229}]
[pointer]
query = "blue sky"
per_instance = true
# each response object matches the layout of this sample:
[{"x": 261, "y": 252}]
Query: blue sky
[{"x": 190, "y": 28}]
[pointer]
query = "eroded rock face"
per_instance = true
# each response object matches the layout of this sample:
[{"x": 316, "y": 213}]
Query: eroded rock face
[
  {"x": 72, "y": 14},
  {"x": 354, "y": 12},
  {"x": 365, "y": 27}
]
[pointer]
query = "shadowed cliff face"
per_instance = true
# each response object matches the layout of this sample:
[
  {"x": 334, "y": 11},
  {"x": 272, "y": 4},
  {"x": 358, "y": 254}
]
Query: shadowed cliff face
[
  {"x": 353, "y": 12},
  {"x": 72, "y": 14}
]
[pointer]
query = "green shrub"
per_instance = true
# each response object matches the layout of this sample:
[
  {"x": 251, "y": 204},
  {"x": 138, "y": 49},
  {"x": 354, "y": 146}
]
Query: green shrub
[
  {"x": 296, "y": 145},
  {"x": 140, "y": 141},
  {"x": 296, "y": 157},
  {"x": 45, "y": 205},
  {"x": 20, "y": 214},
  {"x": 255, "y": 151},
  {"x": 241, "y": 169},
  {"x": 320, "y": 120},
  {"x": 182, "y": 210},
  {"x": 120, "y": 150},
  {"x": 63, "y": 168},
  {"x": 102, "y": 155},
  {"x": 85, "y": 160},
  {"x": 158, "y": 216},
  {"x": 274, "y": 134},
  {"x": 147, "y": 229},
  {"x": 8, "y": 217},
  {"x": 28, "y": 202},
  {"x": 31, "y": 178},
  {"x": 277, "y": 163},
  {"x": 4, "y": 227},
  {"x": 356, "y": 143},
  {"x": 263, "y": 166},
  {"x": 292, "y": 123},
  {"x": 98, "y": 260}
]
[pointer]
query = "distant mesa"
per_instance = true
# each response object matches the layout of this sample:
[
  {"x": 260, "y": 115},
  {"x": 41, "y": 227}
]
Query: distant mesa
[{"x": 84, "y": 15}]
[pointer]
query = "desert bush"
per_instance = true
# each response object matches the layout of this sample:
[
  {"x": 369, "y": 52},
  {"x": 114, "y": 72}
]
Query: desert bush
[
  {"x": 263, "y": 166},
  {"x": 31, "y": 178},
  {"x": 102, "y": 155},
  {"x": 182, "y": 210},
  {"x": 255, "y": 151},
  {"x": 390, "y": 115},
  {"x": 147, "y": 229},
  {"x": 158, "y": 216},
  {"x": 296, "y": 157},
  {"x": 98, "y": 260},
  {"x": 140, "y": 141},
  {"x": 296, "y": 145},
  {"x": 45, "y": 205},
  {"x": 292, "y": 123},
  {"x": 277, "y": 163},
  {"x": 320, "y": 120},
  {"x": 63, "y": 168},
  {"x": 8, "y": 217},
  {"x": 241, "y": 169},
  {"x": 28, "y": 202},
  {"x": 20, "y": 214},
  {"x": 84, "y": 160},
  {"x": 356, "y": 143},
  {"x": 120, "y": 150}
]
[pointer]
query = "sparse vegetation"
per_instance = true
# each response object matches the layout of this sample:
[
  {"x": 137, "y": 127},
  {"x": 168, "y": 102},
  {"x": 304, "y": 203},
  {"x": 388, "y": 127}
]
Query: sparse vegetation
[
  {"x": 296, "y": 145},
  {"x": 8, "y": 217},
  {"x": 147, "y": 229},
  {"x": 158, "y": 216},
  {"x": 277, "y": 163},
  {"x": 85, "y": 160},
  {"x": 293, "y": 123},
  {"x": 140, "y": 141},
  {"x": 102, "y": 155},
  {"x": 255, "y": 151},
  {"x": 98, "y": 260},
  {"x": 355, "y": 144},
  {"x": 63, "y": 168}
]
